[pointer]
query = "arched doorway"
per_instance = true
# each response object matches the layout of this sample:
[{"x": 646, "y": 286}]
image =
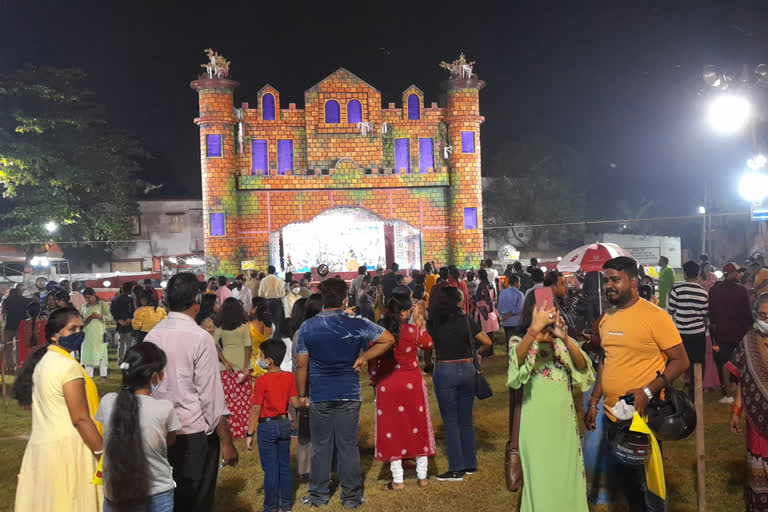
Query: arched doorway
[{"x": 345, "y": 238}]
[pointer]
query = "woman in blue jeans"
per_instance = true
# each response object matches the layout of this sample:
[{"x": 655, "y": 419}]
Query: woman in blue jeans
[
  {"x": 136, "y": 424},
  {"x": 454, "y": 377}
]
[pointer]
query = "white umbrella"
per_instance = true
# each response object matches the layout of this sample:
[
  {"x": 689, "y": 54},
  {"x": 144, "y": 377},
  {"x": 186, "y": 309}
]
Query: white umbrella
[{"x": 591, "y": 257}]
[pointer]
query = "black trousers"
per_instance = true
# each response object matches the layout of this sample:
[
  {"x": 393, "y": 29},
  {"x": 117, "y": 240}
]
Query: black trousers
[
  {"x": 277, "y": 311},
  {"x": 195, "y": 462}
]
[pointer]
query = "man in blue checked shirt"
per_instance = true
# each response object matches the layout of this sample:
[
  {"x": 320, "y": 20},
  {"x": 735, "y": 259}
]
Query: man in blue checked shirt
[{"x": 511, "y": 305}]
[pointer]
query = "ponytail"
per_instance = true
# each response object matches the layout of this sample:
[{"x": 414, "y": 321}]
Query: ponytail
[
  {"x": 391, "y": 320},
  {"x": 57, "y": 320},
  {"x": 126, "y": 466}
]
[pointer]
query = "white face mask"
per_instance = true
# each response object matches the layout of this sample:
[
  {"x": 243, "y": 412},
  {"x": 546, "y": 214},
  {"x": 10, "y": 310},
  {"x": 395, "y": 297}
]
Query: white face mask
[
  {"x": 295, "y": 291},
  {"x": 763, "y": 326}
]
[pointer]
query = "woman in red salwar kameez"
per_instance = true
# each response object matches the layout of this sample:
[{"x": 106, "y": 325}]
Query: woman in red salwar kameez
[
  {"x": 403, "y": 424},
  {"x": 31, "y": 332}
]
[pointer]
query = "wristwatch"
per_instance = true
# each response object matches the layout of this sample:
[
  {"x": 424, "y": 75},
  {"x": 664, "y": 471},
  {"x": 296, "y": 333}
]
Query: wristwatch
[{"x": 648, "y": 392}]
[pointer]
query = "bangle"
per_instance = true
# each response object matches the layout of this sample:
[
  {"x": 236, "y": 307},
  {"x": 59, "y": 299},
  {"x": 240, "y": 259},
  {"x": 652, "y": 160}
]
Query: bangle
[
  {"x": 98, "y": 452},
  {"x": 593, "y": 406},
  {"x": 531, "y": 333},
  {"x": 736, "y": 410},
  {"x": 249, "y": 435}
]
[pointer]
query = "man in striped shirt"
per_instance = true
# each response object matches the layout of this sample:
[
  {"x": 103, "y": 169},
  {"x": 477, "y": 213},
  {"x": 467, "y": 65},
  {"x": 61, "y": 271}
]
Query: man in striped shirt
[{"x": 689, "y": 305}]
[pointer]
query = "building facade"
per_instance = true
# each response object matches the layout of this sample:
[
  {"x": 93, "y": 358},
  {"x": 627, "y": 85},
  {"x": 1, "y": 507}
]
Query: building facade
[
  {"x": 163, "y": 229},
  {"x": 342, "y": 181}
]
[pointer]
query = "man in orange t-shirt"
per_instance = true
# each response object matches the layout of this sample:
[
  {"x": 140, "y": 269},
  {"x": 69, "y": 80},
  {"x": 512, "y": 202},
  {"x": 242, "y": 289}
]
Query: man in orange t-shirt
[{"x": 639, "y": 340}]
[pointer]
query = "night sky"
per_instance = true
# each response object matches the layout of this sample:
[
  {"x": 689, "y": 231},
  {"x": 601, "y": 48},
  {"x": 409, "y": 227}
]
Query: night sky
[{"x": 619, "y": 85}]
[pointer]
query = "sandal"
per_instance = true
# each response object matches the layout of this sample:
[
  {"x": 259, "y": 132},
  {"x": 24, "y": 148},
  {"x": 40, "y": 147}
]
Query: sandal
[
  {"x": 391, "y": 487},
  {"x": 422, "y": 483}
]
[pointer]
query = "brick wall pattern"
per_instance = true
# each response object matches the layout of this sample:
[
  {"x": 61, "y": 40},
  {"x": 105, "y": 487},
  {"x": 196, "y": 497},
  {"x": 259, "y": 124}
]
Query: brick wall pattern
[{"x": 338, "y": 166}]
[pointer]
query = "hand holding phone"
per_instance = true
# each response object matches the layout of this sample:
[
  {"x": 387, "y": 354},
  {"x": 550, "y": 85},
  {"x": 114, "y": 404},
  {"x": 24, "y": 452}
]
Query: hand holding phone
[{"x": 544, "y": 297}]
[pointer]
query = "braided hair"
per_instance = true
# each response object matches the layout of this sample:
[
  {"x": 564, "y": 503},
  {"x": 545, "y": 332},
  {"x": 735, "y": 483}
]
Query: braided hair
[{"x": 127, "y": 471}]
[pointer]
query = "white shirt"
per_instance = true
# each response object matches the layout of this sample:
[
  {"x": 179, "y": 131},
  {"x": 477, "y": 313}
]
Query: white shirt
[
  {"x": 287, "y": 364},
  {"x": 243, "y": 296},
  {"x": 272, "y": 287},
  {"x": 493, "y": 275}
]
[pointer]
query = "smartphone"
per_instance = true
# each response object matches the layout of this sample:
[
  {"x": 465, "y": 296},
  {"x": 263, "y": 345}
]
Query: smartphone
[{"x": 544, "y": 297}]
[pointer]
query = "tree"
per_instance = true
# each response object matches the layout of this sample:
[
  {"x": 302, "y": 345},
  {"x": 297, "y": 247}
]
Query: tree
[
  {"x": 535, "y": 181},
  {"x": 61, "y": 161}
]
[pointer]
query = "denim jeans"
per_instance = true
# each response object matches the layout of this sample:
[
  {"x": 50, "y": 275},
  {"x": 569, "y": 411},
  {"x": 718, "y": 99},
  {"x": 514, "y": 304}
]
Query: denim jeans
[
  {"x": 631, "y": 480},
  {"x": 455, "y": 391},
  {"x": 335, "y": 424},
  {"x": 274, "y": 439},
  {"x": 162, "y": 502}
]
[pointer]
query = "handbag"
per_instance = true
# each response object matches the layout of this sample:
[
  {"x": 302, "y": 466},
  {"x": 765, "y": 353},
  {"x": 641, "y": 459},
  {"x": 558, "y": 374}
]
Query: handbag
[
  {"x": 482, "y": 388},
  {"x": 513, "y": 466}
]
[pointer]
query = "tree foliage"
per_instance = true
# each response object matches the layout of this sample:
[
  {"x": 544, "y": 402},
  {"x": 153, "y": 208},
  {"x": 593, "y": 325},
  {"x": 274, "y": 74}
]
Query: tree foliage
[
  {"x": 61, "y": 161},
  {"x": 535, "y": 181}
]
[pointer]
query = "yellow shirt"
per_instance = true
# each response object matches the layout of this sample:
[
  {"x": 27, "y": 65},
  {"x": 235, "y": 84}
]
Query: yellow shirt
[
  {"x": 634, "y": 340},
  {"x": 256, "y": 339},
  {"x": 144, "y": 319},
  {"x": 430, "y": 282}
]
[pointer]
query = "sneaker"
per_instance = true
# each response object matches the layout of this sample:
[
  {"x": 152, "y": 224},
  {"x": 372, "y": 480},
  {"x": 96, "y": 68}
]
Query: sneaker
[
  {"x": 451, "y": 476},
  {"x": 354, "y": 504},
  {"x": 470, "y": 471},
  {"x": 306, "y": 500},
  {"x": 726, "y": 400}
]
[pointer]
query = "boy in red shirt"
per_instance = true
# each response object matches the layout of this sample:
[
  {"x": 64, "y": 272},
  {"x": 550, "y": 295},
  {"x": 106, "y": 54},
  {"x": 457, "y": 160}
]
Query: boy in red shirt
[{"x": 270, "y": 398}]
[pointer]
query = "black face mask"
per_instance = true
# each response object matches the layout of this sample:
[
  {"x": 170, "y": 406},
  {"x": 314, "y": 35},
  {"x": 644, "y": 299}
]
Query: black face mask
[{"x": 72, "y": 342}]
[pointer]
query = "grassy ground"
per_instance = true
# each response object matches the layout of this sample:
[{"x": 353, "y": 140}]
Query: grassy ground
[{"x": 240, "y": 488}]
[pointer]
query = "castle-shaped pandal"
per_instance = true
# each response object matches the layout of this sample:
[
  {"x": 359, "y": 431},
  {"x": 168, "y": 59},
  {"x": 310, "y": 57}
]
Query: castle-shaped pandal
[{"x": 343, "y": 181}]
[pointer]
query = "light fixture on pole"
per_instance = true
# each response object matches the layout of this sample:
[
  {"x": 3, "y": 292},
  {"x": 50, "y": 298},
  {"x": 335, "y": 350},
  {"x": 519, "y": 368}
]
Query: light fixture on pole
[
  {"x": 51, "y": 227},
  {"x": 703, "y": 213},
  {"x": 753, "y": 186},
  {"x": 729, "y": 113}
]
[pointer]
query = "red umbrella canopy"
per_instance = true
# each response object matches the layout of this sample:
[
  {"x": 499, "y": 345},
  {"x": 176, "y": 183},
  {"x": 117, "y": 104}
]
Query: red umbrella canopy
[{"x": 591, "y": 257}]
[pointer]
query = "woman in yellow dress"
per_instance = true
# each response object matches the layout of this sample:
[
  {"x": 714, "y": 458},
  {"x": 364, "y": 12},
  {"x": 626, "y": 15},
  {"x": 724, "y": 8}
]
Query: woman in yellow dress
[
  {"x": 261, "y": 330},
  {"x": 65, "y": 442}
]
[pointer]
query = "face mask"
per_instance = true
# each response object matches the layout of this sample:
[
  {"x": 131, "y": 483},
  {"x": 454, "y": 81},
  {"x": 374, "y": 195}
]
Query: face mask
[
  {"x": 763, "y": 326},
  {"x": 153, "y": 387},
  {"x": 263, "y": 364},
  {"x": 295, "y": 291},
  {"x": 72, "y": 342}
]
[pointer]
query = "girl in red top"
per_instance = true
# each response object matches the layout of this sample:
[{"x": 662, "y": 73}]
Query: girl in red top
[{"x": 403, "y": 424}]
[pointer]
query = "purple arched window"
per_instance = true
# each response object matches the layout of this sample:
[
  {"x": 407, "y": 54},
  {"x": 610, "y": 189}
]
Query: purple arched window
[
  {"x": 414, "y": 107},
  {"x": 354, "y": 112},
  {"x": 268, "y": 107},
  {"x": 332, "y": 113}
]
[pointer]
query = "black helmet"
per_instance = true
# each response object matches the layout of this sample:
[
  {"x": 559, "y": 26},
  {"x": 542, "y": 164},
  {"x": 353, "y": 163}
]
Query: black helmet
[
  {"x": 629, "y": 447},
  {"x": 673, "y": 418}
]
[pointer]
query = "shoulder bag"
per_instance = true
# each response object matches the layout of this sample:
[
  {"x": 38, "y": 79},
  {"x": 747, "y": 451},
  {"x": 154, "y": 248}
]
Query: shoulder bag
[
  {"x": 513, "y": 467},
  {"x": 482, "y": 388}
]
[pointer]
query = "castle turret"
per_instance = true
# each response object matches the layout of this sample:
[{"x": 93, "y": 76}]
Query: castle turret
[
  {"x": 466, "y": 197},
  {"x": 217, "y": 160}
]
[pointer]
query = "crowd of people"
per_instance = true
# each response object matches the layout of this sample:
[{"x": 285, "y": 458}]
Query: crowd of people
[{"x": 272, "y": 359}]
